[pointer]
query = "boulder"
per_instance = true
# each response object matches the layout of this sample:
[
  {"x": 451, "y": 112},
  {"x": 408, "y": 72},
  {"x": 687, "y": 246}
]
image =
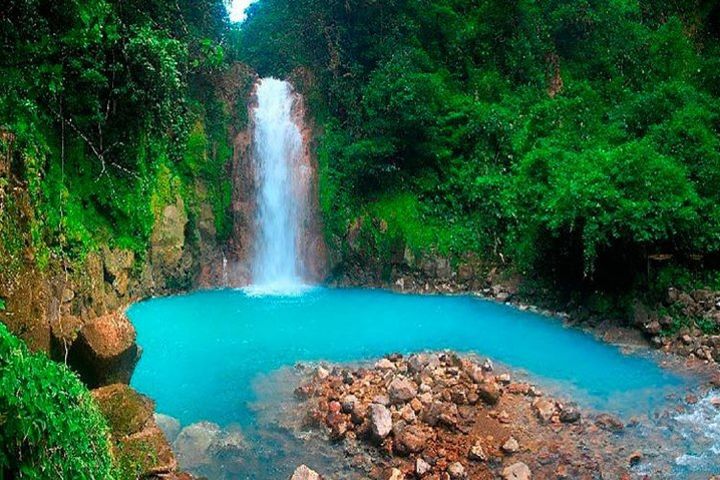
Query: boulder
[
  {"x": 105, "y": 351},
  {"x": 192, "y": 445},
  {"x": 304, "y": 473},
  {"x": 517, "y": 471},
  {"x": 401, "y": 390},
  {"x": 170, "y": 426},
  {"x": 380, "y": 420},
  {"x": 135, "y": 435}
]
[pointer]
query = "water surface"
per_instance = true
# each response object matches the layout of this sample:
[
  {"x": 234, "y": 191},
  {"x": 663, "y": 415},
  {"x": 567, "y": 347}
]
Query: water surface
[{"x": 202, "y": 352}]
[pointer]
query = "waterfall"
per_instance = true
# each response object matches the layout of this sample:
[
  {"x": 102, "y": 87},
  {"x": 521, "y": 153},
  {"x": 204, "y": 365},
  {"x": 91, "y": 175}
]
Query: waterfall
[{"x": 280, "y": 190}]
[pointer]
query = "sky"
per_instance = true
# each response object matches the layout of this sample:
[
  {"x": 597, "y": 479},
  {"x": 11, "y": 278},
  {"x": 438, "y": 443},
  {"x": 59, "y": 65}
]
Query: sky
[{"x": 237, "y": 9}]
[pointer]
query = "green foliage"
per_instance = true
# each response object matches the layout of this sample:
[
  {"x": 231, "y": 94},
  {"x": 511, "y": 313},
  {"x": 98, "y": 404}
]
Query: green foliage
[
  {"x": 568, "y": 137},
  {"x": 50, "y": 427},
  {"x": 97, "y": 96}
]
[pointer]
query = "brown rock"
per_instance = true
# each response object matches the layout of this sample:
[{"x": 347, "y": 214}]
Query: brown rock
[
  {"x": 409, "y": 440},
  {"x": 456, "y": 471},
  {"x": 105, "y": 351},
  {"x": 401, "y": 390},
  {"x": 489, "y": 392},
  {"x": 135, "y": 434},
  {"x": 544, "y": 409}
]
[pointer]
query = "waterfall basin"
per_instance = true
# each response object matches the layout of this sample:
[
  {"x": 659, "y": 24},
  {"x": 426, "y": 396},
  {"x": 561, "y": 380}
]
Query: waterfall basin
[{"x": 204, "y": 352}]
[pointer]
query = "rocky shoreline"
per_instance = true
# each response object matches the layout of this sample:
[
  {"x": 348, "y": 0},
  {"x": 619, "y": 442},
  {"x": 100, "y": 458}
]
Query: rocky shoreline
[
  {"x": 649, "y": 325},
  {"x": 444, "y": 416}
]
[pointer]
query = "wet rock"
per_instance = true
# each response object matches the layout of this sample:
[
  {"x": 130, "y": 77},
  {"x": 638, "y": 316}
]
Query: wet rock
[
  {"x": 401, "y": 390},
  {"x": 170, "y": 426},
  {"x": 105, "y": 351},
  {"x": 544, "y": 409},
  {"x": 511, "y": 446},
  {"x": 569, "y": 415},
  {"x": 229, "y": 448},
  {"x": 385, "y": 364},
  {"x": 304, "y": 473},
  {"x": 517, "y": 471},
  {"x": 609, "y": 423},
  {"x": 380, "y": 421},
  {"x": 635, "y": 458},
  {"x": 192, "y": 445}
]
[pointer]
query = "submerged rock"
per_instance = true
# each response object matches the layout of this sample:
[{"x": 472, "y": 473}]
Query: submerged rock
[
  {"x": 170, "y": 426},
  {"x": 193, "y": 444}
]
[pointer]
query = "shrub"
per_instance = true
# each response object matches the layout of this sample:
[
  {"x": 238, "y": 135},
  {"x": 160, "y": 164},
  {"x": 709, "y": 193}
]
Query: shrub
[{"x": 49, "y": 424}]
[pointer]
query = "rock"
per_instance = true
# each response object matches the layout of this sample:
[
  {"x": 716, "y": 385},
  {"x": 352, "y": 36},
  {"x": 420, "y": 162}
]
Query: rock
[
  {"x": 105, "y": 351},
  {"x": 380, "y": 420},
  {"x": 401, "y": 390},
  {"x": 477, "y": 453},
  {"x": 635, "y": 458},
  {"x": 517, "y": 471},
  {"x": 489, "y": 392},
  {"x": 544, "y": 409},
  {"x": 409, "y": 440},
  {"x": 385, "y": 364},
  {"x": 569, "y": 415},
  {"x": 192, "y": 445},
  {"x": 394, "y": 474},
  {"x": 168, "y": 237},
  {"x": 381, "y": 400},
  {"x": 348, "y": 403},
  {"x": 456, "y": 471},
  {"x": 137, "y": 438},
  {"x": 321, "y": 372},
  {"x": 170, "y": 426},
  {"x": 229, "y": 448},
  {"x": 488, "y": 365},
  {"x": 653, "y": 327},
  {"x": 126, "y": 411},
  {"x": 609, "y": 423},
  {"x": 421, "y": 467},
  {"x": 304, "y": 473},
  {"x": 511, "y": 446}
]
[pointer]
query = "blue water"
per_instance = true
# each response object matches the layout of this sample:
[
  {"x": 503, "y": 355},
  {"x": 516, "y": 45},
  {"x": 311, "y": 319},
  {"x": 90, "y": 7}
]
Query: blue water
[{"x": 202, "y": 352}]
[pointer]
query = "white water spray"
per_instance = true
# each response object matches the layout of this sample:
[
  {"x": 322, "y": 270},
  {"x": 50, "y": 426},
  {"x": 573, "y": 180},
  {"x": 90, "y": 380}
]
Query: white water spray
[{"x": 277, "y": 141}]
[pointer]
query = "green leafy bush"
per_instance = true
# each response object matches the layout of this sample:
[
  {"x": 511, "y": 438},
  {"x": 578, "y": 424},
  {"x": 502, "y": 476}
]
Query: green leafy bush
[{"x": 49, "y": 424}]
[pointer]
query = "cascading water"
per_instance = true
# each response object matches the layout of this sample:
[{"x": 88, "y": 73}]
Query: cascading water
[{"x": 280, "y": 199}]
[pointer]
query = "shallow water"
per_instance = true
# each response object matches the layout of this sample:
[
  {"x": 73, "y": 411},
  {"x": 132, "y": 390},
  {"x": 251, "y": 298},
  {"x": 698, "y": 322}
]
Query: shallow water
[{"x": 202, "y": 351}]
